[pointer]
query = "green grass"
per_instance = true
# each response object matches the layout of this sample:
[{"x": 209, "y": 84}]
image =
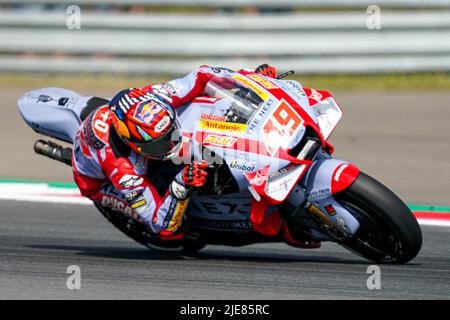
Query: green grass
[{"x": 383, "y": 82}]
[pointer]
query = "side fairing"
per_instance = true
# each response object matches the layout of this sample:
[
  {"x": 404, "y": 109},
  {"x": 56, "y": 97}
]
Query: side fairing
[
  {"x": 240, "y": 145},
  {"x": 320, "y": 182}
]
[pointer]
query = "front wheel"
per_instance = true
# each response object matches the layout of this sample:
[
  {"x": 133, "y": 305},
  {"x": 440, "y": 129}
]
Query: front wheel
[{"x": 389, "y": 232}]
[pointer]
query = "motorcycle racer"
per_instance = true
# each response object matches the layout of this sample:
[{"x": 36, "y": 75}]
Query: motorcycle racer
[{"x": 117, "y": 142}]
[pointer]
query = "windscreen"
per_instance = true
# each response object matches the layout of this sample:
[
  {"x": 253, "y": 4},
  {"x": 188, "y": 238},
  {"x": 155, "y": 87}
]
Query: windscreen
[{"x": 243, "y": 102}]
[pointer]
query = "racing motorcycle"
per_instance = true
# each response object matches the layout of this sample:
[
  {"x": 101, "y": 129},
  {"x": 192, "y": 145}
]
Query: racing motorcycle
[{"x": 271, "y": 170}]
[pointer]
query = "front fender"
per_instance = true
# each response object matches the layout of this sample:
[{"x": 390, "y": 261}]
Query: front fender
[{"x": 325, "y": 178}]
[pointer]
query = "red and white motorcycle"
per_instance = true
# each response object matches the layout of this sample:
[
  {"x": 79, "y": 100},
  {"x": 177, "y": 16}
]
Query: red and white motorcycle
[{"x": 272, "y": 175}]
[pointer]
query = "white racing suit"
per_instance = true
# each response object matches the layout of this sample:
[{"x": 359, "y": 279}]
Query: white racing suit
[{"x": 119, "y": 181}]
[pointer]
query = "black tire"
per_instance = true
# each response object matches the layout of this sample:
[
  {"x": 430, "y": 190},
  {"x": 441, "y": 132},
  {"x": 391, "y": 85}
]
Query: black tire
[
  {"x": 138, "y": 232},
  {"x": 389, "y": 232},
  {"x": 125, "y": 224},
  {"x": 191, "y": 246}
]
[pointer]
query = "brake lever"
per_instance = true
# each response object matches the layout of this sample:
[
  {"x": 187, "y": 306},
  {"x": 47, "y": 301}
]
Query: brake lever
[{"x": 286, "y": 74}]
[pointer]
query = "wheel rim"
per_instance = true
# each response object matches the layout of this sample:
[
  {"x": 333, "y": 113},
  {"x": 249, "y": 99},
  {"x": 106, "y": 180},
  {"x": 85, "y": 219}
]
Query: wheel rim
[{"x": 375, "y": 239}]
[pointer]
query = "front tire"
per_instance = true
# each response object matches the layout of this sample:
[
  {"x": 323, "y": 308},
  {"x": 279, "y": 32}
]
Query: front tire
[{"x": 389, "y": 232}]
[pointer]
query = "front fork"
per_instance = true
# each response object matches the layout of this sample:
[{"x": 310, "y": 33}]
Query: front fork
[{"x": 314, "y": 199}]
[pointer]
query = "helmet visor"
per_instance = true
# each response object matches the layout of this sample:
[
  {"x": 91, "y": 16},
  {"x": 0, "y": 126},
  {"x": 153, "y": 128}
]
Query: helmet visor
[{"x": 164, "y": 146}]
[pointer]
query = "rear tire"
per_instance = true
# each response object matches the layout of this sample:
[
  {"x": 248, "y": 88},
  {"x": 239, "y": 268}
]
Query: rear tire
[
  {"x": 389, "y": 232},
  {"x": 138, "y": 232}
]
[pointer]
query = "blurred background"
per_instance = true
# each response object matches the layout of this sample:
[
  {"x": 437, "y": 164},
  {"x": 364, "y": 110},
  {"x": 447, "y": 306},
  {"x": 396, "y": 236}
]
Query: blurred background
[
  {"x": 386, "y": 62},
  {"x": 161, "y": 37}
]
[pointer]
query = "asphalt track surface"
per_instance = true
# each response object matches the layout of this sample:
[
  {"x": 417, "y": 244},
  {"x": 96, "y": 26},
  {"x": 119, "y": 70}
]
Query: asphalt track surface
[
  {"x": 400, "y": 138},
  {"x": 39, "y": 241}
]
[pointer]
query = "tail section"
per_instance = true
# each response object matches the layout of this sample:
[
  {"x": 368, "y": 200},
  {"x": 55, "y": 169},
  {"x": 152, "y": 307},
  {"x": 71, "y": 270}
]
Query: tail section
[{"x": 54, "y": 112}]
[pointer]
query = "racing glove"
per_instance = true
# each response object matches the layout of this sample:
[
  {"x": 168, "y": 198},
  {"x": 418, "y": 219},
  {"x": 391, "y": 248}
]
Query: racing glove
[
  {"x": 192, "y": 176},
  {"x": 266, "y": 70}
]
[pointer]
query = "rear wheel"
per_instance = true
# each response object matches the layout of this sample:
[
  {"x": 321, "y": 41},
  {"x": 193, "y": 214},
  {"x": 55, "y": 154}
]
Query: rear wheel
[
  {"x": 138, "y": 231},
  {"x": 389, "y": 233}
]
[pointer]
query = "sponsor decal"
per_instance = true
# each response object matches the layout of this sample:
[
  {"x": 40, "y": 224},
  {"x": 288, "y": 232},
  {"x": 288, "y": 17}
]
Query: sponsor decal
[
  {"x": 219, "y": 141},
  {"x": 223, "y": 126},
  {"x": 315, "y": 95},
  {"x": 209, "y": 100},
  {"x": 282, "y": 171},
  {"x": 178, "y": 191},
  {"x": 171, "y": 87},
  {"x": 50, "y": 131},
  {"x": 251, "y": 85},
  {"x": 44, "y": 98},
  {"x": 262, "y": 81},
  {"x": 213, "y": 117},
  {"x": 146, "y": 111},
  {"x": 233, "y": 225},
  {"x": 222, "y": 207},
  {"x": 97, "y": 128},
  {"x": 178, "y": 215},
  {"x": 330, "y": 210},
  {"x": 343, "y": 176},
  {"x": 296, "y": 87},
  {"x": 340, "y": 169},
  {"x": 130, "y": 181},
  {"x": 116, "y": 204},
  {"x": 244, "y": 167},
  {"x": 131, "y": 196},
  {"x": 138, "y": 204},
  {"x": 163, "y": 124},
  {"x": 258, "y": 180},
  {"x": 280, "y": 127},
  {"x": 260, "y": 114},
  {"x": 318, "y": 193},
  {"x": 279, "y": 186},
  {"x": 63, "y": 101},
  {"x": 162, "y": 91}
]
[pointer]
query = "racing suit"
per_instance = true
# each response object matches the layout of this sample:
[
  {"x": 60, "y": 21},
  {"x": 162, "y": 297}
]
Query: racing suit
[{"x": 118, "y": 180}]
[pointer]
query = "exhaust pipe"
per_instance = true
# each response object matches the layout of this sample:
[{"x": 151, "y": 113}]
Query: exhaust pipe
[{"x": 53, "y": 151}]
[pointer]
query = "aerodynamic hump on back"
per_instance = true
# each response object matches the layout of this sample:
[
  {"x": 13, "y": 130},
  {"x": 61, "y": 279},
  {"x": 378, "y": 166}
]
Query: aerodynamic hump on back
[{"x": 54, "y": 112}]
